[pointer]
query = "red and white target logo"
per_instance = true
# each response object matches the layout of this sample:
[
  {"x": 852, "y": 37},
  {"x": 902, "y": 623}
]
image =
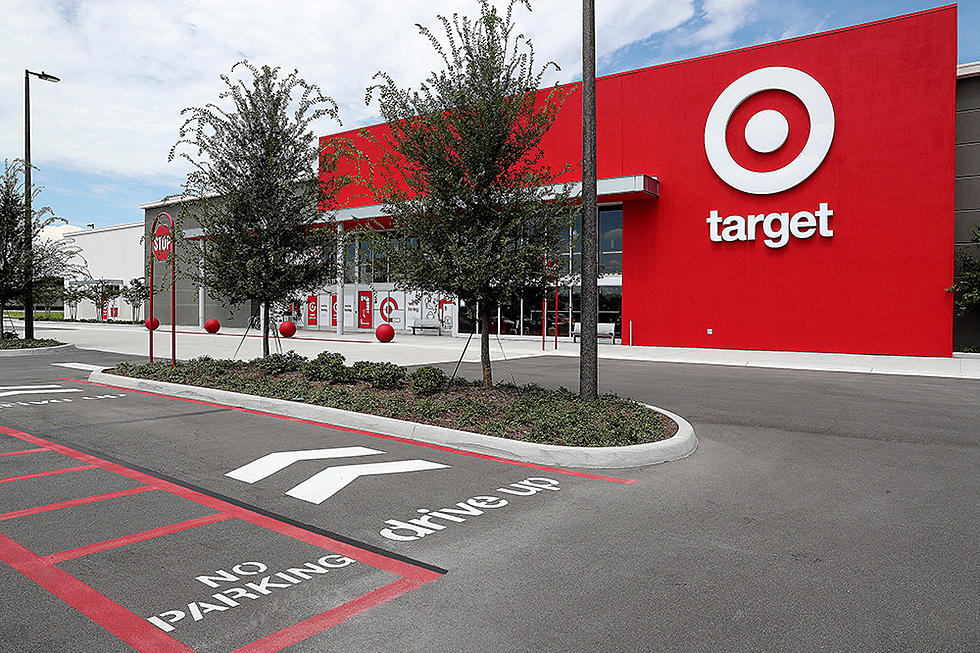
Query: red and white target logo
[
  {"x": 162, "y": 242},
  {"x": 767, "y": 130}
]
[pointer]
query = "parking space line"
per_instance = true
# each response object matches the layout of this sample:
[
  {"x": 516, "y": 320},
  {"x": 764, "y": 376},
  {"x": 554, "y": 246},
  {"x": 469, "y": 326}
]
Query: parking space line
[
  {"x": 145, "y": 637},
  {"x": 74, "y": 502},
  {"x": 142, "y": 536},
  {"x": 19, "y": 453},
  {"x": 393, "y": 438},
  {"x": 293, "y": 634},
  {"x": 53, "y": 472},
  {"x": 134, "y": 630}
]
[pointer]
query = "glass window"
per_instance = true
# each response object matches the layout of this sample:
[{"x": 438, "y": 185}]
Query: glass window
[
  {"x": 350, "y": 262},
  {"x": 610, "y": 241},
  {"x": 532, "y": 312},
  {"x": 611, "y": 306},
  {"x": 510, "y": 318},
  {"x": 561, "y": 319},
  {"x": 467, "y": 317},
  {"x": 365, "y": 262}
]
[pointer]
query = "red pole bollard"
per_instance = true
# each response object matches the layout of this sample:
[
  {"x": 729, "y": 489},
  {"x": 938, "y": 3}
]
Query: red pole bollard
[
  {"x": 544, "y": 322},
  {"x": 163, "y": 246},
  {"x": 556, "y": 317}
]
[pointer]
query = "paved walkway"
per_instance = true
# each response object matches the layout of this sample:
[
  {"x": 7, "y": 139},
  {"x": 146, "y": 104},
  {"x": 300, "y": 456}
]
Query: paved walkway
[{"x": 422, "y": 349}]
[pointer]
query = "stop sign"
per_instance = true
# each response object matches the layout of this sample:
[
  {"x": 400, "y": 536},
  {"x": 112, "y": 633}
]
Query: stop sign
[{"x": 162, "y": 242}]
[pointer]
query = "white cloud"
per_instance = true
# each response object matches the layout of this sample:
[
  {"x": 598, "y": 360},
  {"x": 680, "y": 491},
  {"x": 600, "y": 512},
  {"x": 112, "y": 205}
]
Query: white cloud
[
  {"x": 722, "y": 19},
  {"x": 129, "y": 66}
]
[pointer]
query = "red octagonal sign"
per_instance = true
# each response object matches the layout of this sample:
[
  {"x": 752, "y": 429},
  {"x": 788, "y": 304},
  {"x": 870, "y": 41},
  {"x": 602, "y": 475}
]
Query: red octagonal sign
[{"x": 162, "y": 242}]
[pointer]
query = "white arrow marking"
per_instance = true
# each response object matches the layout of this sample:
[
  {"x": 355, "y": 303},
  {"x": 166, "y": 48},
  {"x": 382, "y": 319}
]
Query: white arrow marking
[
  {"x": 320, "y": 487},
  {"x": 28, "y": 387},
  {"x": 82, "y": 366},
  {"x": 274, "y": 462},
  {"x": 36, "y": 392}
]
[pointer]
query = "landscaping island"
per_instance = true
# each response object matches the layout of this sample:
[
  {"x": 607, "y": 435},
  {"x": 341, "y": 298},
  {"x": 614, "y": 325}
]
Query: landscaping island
[
  {"x": 30, "y": 343},
  {"x": 426, "y": 395}
]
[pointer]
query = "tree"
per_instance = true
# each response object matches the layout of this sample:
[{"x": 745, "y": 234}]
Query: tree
[
  {"x": 101, "y": 292},
  {"x": 967, "y": 290},
  {"x": 472, "y": 203},
  {"x": 73, "y": 296},
  {"x": 52, "y": 258},
  {"x": 136, "y": 292},
  {"x": 47, "y": 291},
  {"x": 256, "y": 193}
]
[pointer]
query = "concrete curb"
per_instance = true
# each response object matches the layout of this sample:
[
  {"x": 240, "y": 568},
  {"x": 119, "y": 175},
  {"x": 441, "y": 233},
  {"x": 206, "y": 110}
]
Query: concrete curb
[
  {"x": 34, "y": 351},
  {"x": 681, "y": 445}
]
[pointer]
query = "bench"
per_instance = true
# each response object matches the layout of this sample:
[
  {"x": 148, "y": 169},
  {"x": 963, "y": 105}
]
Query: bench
[
  {"x": 603, "y": 330},
  {"x": 427, "y": 324}
]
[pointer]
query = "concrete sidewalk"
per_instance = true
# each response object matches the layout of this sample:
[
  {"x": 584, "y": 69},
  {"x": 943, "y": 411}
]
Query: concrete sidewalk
[{"x": 423, "y": 349}]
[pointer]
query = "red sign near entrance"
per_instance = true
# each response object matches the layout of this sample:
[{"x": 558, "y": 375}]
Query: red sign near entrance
[
  {"x": 312, "y": 310},
  {"x": 365, "y": 306},
  {"x": 162, "y": 242}
]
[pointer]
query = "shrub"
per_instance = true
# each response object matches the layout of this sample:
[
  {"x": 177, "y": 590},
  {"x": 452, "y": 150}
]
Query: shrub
[
  {"x": 278, "y": 363},
  {"x": 205, "y": 366},
  {"x": 327, "y": 366},
  {"x": 427, "y": 380},
  {"x": 378, "y": 375}
]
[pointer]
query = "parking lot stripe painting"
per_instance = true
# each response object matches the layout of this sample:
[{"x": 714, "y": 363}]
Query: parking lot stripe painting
[{"x": 140, "y": 633}]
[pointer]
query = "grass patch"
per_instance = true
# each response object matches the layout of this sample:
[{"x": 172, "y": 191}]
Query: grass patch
[
  {"x": 530, "y": 413},
  {"x": 55, "y": 315}
]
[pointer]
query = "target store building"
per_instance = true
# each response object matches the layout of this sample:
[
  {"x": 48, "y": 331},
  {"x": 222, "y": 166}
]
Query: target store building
[{"x": 797, "y": 196}]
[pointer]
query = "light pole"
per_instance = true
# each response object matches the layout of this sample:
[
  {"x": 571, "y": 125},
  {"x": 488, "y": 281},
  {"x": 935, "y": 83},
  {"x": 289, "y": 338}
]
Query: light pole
[
  {"x": 28, "y": 214},
  {"x": 589, "y": 353}
]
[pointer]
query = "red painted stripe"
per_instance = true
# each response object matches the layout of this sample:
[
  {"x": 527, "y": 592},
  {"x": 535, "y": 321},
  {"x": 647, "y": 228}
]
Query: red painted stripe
[
  {"x": 53, "y": 472},
  {"x": 18, "y": 453},
  {"x": 73, "y": 502},
  {"x": 108, "y": 614},
  {"x": 367, "y": 557},
  {"x": 142, "y": 536},
  {"x": 115, "y": 618},
  {"x": 394, "y": 438},
  {"x": 317, "y": 624}
]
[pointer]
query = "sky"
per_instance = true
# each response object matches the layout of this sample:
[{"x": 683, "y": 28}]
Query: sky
[{"x": 101, "y": 137}]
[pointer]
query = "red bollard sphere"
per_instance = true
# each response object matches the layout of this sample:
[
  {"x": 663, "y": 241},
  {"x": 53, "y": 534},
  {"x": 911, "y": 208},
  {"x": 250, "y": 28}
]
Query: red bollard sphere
[
  {"x": 212, "y": 326},
  {"x": 384, "y": 332},
  {"x": 287, "y": 329},
  {"x": 156, "y": 324}
]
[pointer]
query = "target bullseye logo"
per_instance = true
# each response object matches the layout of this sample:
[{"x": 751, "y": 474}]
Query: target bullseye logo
[{"x": 767, "y": 130}]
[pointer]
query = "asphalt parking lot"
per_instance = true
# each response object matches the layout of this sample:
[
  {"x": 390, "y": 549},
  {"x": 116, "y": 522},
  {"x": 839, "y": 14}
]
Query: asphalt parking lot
[{"x": 822, "y": 511}]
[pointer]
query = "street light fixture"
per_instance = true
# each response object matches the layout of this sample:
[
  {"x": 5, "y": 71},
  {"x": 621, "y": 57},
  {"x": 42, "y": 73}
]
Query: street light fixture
[{"x": 28, "y": 213}]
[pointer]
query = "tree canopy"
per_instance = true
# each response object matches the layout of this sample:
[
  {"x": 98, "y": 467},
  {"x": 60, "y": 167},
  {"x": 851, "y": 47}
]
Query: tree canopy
[
  {"x": 473, "y": 205},
  {"x": 51, "y": 258},
  {"x": 255, "y": 189}
]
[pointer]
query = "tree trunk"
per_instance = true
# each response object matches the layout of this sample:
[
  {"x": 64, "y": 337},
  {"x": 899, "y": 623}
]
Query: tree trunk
[
  {"x": 265, "y": 329},
  {"x": 485, "y": 345}
]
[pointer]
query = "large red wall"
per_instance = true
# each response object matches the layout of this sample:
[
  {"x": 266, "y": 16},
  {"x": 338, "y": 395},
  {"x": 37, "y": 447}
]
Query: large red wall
[{"x": 879, "y": 284}]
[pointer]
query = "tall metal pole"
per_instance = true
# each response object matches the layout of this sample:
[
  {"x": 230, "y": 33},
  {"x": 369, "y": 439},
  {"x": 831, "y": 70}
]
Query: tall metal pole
[
  {"x": 589, "y": 353},
  {"x": 28, "y": 216}
]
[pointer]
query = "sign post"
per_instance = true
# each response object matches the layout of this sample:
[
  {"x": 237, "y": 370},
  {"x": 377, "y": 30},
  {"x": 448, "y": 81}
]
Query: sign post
[{"x": 161, "y": 248}]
